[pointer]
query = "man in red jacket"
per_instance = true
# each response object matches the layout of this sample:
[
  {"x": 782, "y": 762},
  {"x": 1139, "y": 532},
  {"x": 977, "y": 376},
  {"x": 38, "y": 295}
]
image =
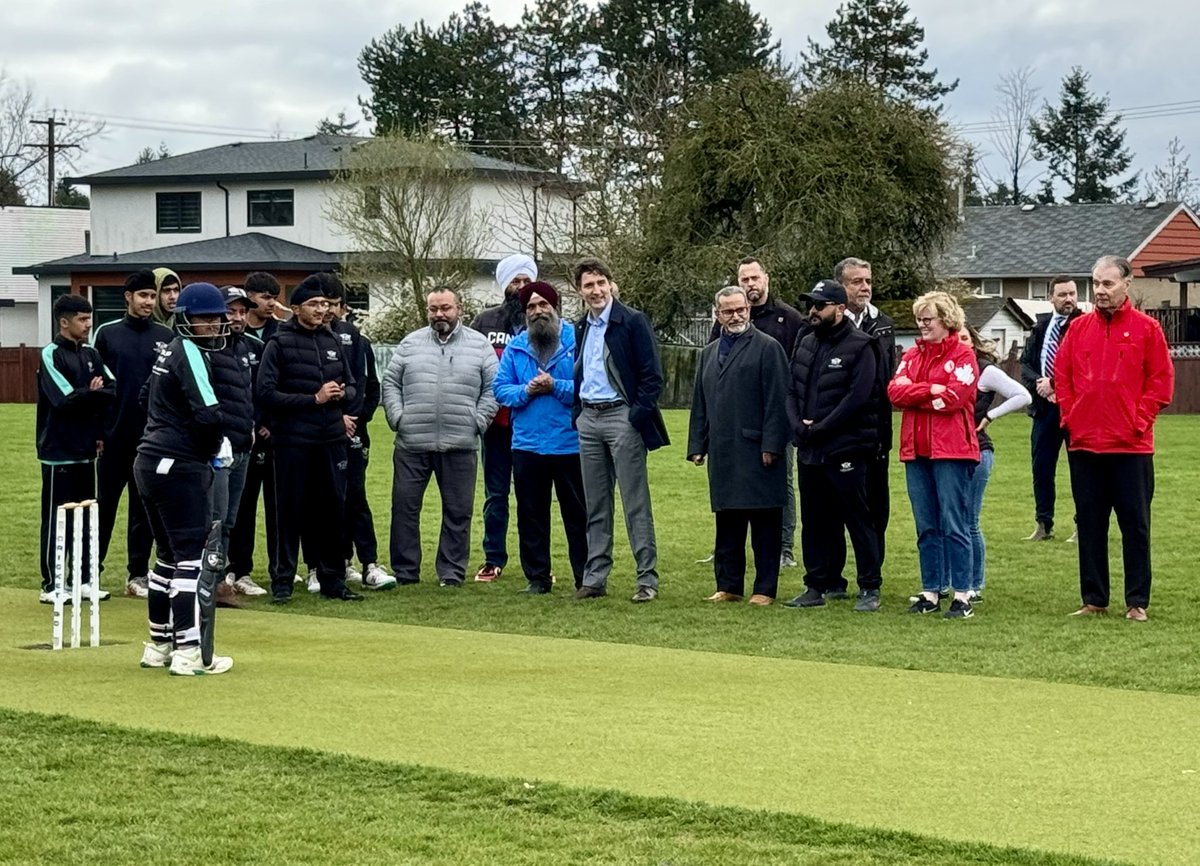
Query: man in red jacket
[{"x": 1112, "y": 376}]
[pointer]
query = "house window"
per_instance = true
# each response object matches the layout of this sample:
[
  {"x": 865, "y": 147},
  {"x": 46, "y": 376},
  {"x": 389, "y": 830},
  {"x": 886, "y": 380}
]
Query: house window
[
  {"x": 108, "y": 304},
  {"x": 1039, "y": 290},
  {"x": 270, "y": 207},
  {"x": 56, "y": 292},
  {"x": 991, "y": 288},
  {"x": 178, "y": 212},
  {"x": 358, "y": 297}
]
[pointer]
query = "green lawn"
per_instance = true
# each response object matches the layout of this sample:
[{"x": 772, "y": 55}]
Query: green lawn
[{"x": 483, "y": 737}]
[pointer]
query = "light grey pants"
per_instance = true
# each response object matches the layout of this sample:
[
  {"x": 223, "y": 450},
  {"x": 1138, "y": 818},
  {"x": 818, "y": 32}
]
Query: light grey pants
[
  {"x": 789, "y": 510},
  {"x": 611, "y": 449}
]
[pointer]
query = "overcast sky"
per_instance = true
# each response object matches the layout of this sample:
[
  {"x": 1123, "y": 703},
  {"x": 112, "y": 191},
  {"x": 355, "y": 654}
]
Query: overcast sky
[{"x": 255, "y": 66}]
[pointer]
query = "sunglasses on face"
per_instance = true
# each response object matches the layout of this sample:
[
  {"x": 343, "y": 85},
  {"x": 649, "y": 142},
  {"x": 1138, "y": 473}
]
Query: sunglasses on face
[{"x": 815, "y": 305}]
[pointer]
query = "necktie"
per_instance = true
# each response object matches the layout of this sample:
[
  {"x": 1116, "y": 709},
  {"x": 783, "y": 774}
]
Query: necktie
[{"x": 1052, "y": 345}]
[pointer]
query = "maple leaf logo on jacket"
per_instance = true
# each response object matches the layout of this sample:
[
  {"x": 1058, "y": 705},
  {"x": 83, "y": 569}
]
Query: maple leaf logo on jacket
[{"x": 964, "y": 374}]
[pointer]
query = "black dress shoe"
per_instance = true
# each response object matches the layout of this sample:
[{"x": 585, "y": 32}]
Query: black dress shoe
[
  {"x": 281, "y": 599},
  {"x": 407, "y": 581},
  {"x": 342, "y": 594},
  {"x": 536, "y": 588},
  {"x": 590, "y": 592}
]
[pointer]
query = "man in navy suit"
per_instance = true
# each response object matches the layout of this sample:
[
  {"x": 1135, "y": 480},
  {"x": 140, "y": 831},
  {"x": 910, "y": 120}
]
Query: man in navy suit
[
  {"x": 1037, "y": 375},
  {"x": 618, "y": 380}
]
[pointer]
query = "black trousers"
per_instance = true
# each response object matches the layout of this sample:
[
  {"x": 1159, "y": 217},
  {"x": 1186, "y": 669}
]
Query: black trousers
[
  {"x": 534, "y": 476},
  {"x": 834, "y": 502},
  {"x": 1046, "y": 440},
  {"x": 177, "y": 507},
  {"x": 1102, "y": 484},
  {"x": 259, "y": 477},
  {"x": 310, "y": 498},
  {"x": 114, "y": 472},
  {"x": 497, "y": 457},
  {"x": 766, "y": 541},
  {"x": 455, "y": 472},
  {"x": 67, "y": 482},
  {"x": 360, "y": 523}
]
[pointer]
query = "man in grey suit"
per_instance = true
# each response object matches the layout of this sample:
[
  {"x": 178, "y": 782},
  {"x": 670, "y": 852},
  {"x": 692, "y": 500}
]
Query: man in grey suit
[
  {"x": 618, "y": 379},
  {"x": 739, "y": 423},
  {"x": 437, "y": 395}
]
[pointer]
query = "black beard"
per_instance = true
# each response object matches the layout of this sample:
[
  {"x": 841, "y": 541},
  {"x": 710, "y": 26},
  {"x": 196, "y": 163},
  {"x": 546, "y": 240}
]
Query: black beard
[
  {"x": 543, "y": 334},
  {"x": 513, "y": 310}
]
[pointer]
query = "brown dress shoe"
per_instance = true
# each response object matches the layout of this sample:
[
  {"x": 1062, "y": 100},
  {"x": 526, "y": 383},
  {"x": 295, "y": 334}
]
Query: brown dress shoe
[
  {"x": 1089, "y": 610},
  {"x": 723, "y": 596},
  {"x": 761, "y": 600},
  {"x": 1138, "y": 614},
  {"x": 227, "y": 595}
]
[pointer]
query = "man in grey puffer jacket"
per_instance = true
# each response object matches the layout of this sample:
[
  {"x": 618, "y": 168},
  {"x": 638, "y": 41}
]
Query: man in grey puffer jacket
[{"x": 437, "y": 395}]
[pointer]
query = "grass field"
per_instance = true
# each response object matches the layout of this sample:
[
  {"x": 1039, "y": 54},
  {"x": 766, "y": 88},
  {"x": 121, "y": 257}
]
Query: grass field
[{"x": 978, "y": 734}]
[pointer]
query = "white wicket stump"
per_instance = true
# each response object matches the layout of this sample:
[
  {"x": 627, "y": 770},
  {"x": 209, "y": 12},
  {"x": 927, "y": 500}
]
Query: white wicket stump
[{"x": 80, "y": 519}]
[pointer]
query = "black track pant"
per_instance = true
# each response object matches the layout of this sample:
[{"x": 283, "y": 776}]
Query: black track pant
[
  {"x": 360, "y": 523},
  {"x": 534, "y": 475},
  {"x": 310, "y": 495},
  {"x": 259, "y": 476},
  {"x": 176, "y": 497},
  {"x": 114, "y": 472},
  {"x": 66, "y": 482},
  {"x": 833, "y": 501}
]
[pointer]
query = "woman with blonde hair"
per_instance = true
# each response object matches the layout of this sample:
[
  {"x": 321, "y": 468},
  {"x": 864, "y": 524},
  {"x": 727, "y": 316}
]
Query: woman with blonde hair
[
  {"x": 993, "y": 382},
  {"x": 935, "y": 388}
]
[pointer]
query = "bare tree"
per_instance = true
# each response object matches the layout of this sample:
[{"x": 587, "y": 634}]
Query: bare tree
[
  {"x": 405, "y": 204},
  {"x": 23, "y": 165},
  {"x": 1172, "y": 181},
  {"x": 1011, "y": 138}
]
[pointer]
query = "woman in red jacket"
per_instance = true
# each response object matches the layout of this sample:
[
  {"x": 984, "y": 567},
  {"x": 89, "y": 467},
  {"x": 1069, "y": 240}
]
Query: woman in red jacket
[{"x": 934, "y": 387}]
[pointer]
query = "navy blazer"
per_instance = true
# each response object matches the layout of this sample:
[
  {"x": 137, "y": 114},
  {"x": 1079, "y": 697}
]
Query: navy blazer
[
  {"x": 1031, "y": 359},
  {"x": 633, "y": 351}
]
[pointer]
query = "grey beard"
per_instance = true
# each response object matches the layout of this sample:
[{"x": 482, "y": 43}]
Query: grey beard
[
  {"x": 441, "y": 327},
  {"x": 543, "y": 334}
]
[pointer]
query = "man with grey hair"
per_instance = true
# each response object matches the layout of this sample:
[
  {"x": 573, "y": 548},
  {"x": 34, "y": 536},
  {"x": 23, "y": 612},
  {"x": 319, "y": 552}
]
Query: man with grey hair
[
  {"x": 1113, "y": 375},
  {"x": 739, "y": 425},
  {"x": 437, "y": 395},
  {"x": 855, "y": 276}
]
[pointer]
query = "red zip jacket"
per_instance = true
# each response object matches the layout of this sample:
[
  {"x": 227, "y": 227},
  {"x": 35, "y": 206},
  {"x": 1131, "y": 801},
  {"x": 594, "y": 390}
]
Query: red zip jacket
[
  {"x": 941, "y": 427},
  {"x": 1112, "y": 376}
]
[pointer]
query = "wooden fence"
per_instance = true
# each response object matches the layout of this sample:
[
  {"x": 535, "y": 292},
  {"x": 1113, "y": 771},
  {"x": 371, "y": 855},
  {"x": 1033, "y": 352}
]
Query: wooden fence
[{"x": 18, "y": 375}]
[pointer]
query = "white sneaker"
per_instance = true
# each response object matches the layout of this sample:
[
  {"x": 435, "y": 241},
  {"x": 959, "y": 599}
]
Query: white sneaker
[
  {"x": 246, "y": 586},
  {"x": 353, "y": 575},
  {"x": 187, "y": 663},
  {"x": 377, "y": 578},
  {"x": 137, "y": 587},
  {"x": 101, "y": 594},
  {"x": 314, "y": 585},
  {"x": 47, "y": 596},
  {"x": 156, "y": 655}
]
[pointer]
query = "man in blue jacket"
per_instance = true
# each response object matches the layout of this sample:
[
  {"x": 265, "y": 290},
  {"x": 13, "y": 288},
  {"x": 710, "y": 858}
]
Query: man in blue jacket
[
  {"x": 618, "y": 380},
  {"x": 536, "y": 381}
]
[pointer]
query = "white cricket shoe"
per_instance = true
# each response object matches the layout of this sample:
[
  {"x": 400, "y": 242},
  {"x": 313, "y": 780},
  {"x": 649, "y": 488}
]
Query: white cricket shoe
[
  {"x": 377, "y": 578},
  {"x": 187, "y": 663},
  {"x": 314, "y": 585},
  {"x": 138, "y": 587},
  {"x": 156, "y": 655},
  {"x": 47, "y": 596},
  {"x": 353, "y": 575},
  {"x": 245, "y": 585}
]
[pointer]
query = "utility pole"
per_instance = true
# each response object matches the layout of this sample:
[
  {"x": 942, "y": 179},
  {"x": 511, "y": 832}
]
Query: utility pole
[{"x": 50, "y": 148}]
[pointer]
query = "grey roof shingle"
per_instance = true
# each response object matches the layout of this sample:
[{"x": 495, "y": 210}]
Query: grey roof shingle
[
  {"x": 1008, "y": 241},
  {"x": 316, "y": 157},
  {"x": 253, "y": 251}
]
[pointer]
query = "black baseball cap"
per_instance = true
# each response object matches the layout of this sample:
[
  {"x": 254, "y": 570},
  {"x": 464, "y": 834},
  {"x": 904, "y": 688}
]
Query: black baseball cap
[{"x": 826, "y": 292}]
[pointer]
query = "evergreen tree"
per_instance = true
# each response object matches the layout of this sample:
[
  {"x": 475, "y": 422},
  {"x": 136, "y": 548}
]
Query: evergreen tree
[
  {"x": 149, "y": 154},
  {"x": 10, "y": 190},
  {"x": 1084, "y": 146},
  {"x": 66, "y": 195},
  {"x": 338, "y": 126},
  {"x": 556, "y": 61},
  {"x": 876, "y": 43},
  {"x": 458, "y": 80}
]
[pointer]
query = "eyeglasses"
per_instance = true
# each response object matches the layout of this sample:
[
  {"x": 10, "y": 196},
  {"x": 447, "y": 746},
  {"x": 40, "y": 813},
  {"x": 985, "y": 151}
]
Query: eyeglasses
[
  {"x": 926, "y": 320},
  {"x": 315, "y": 305},
  {"x": 734, "y": 311}
]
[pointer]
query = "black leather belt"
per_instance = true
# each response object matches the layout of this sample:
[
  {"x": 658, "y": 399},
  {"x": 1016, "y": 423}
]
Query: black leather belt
[{"x": 603, "y": 407}]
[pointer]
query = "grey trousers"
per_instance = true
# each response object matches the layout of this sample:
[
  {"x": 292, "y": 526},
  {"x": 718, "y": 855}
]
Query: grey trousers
[
  {"x": 789, "y": 509},
  {"x": 225, "y": 495},
  {"x": 611, "y": 449},
  {"x": 455, "y": 473}
]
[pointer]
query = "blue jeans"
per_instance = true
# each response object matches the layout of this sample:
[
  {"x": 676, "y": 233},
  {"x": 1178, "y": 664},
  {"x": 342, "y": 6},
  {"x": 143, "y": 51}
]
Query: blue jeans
[
  {"x": 978, "y": 548},
  {"x": 940, "y": 492}
]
